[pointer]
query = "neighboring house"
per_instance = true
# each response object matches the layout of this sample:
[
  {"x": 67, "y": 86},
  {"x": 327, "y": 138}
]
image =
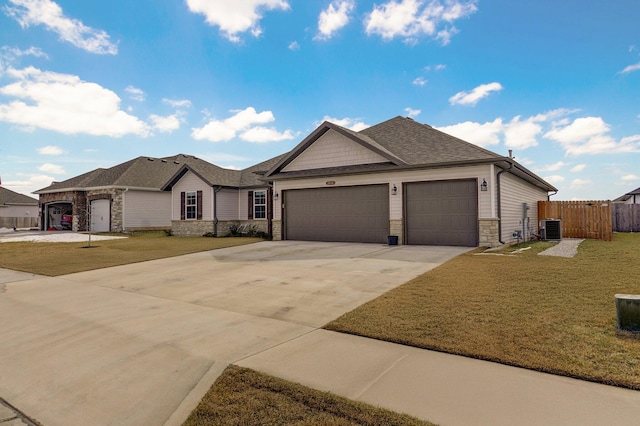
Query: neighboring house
[
  {"x": 182, "y": 192},
  {"x": 17, "y": 210},
  {"x": 405, "y": 179},
  {"x": 632, "y": 197},
  {"x": 398, "y": 179}
]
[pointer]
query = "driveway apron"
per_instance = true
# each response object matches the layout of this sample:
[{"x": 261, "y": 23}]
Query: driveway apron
[{"x": 142, "y": 343}]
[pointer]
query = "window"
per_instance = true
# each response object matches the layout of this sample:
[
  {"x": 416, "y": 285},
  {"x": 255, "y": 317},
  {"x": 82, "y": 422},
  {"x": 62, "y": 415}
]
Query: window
[
  {"x": 191, "y": 205},
  {"x": 260, "y": 204}
]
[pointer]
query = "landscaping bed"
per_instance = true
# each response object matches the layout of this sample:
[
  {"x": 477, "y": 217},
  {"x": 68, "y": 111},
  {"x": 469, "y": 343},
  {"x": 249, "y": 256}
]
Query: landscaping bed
[{"x": 544, "y": 313}]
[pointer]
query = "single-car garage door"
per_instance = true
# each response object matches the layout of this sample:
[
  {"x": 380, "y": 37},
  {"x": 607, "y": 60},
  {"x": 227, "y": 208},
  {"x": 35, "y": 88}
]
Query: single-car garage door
[
  {"x": 443, "y": 213},
  {"x": 100, "y": 215},
  {"x": 345, "y": 214}
]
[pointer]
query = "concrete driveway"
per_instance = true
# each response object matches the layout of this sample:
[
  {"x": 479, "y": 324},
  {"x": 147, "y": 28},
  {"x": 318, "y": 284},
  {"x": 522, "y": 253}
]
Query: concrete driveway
[{"x": 142, "y": 343}]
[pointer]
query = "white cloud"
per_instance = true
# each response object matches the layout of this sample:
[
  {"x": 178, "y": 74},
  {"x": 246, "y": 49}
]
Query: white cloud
[
  {"x": 551, "y": 167},
  {"x": 554, "y": 179},
  {"x": 630, "y": 177},
  {"x": 294, "y": 45},
  {"x": 49, "y": 14},
  {"x": 578, "y": 168},
  {"x": 177, "y": 103},
  {"x": 30, "y": 183},
  {"x": 521, "y": 134},
  {"x": 334, "y": 17},
  {"x": 261, "y": 134},
  {"x": 579, "y": 183},
  {"x": 476, "y": 133},
  {"x": 52, "y": 168},
  {"x": 420, "y": 81},
  {"x": 235, "y": 17},
  {"x": 412, "y": 112},
  {"x": 12, "y": 53},
  {"x": 135, "y": 93},
  {"x": 50, "y": 150},
  {"x": 472, "y": 97},
  {"x": 165, "y": 124},
  {"x": 354, "y": 124},
  {"x": 630, "y": 68},
  {"x": 243, "y": 122},
  {"x": 589, "y": 135},
  {"x": 412, "y": 19},
  {"x": 65, "y": 104},
  {"x": 438, "y": 67}
]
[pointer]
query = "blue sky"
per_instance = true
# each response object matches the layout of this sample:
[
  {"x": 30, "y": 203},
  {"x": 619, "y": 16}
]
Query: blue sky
[{"x": 93, "y": 84}]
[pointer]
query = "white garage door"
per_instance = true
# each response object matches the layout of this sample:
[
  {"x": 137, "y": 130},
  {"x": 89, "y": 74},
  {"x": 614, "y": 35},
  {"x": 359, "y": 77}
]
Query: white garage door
[
  {"x": 100, "y": 215},
  {"x": 346, "y": 214}
]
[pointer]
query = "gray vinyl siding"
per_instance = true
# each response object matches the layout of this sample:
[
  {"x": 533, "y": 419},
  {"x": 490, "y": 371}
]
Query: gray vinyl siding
[
  {"x": 227, "y": 204},
  {"x": 515, "y": 192},
  {"x": 145, "y": 209}
]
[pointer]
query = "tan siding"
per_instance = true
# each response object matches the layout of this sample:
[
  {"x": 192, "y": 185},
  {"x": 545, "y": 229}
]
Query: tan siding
[
  {"x": 19, "y": 211},
  {"x": 515, "y": 192},
  {"x": 227, "y": 204},
  {"x": 144, "y": 209},
  {"x": 398, "y": 178},
  {"x": 191, "y": 183},
  {"x": 333, "y": 150}
]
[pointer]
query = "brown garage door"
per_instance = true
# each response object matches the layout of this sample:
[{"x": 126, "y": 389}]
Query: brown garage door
[
  {"x": 347, "y": 214},
  {"x": 443, "y": 213}
]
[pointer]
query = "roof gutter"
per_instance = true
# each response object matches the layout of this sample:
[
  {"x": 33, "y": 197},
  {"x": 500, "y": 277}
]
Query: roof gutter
[{"x": 499, "y": 198}]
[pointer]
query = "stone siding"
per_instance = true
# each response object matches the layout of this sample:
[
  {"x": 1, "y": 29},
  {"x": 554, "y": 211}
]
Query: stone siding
[
  {"x": 489, "y": 232},
  {"x": 193, "y": 228},
  {"x": 276, "y": 230},
  {"x": 396, "y": 227}
]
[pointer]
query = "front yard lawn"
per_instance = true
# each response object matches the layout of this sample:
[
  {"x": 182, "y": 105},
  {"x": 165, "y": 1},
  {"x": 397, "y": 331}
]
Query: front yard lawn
[
  {"x": 544, "y": 313},
  {"x": 245, "y": 397},
  {"x": 53, "y": 259}
]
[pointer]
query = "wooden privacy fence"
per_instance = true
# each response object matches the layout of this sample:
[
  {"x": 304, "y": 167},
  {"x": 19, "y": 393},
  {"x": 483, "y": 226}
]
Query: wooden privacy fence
[
  {"x": 579, "y": 219},
  {"x": 625, "y": 217},
  {"x": 18, "y": 222}
]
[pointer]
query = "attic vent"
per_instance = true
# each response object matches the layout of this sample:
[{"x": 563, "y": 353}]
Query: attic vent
[
  {"x": 164, "y": 161},
  {"x": 176, "y": 162},
  {"x": 551, "y": 229},
  {"x": 150, "y": 159}
]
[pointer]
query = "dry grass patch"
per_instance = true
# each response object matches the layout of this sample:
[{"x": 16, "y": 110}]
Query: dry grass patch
[
  {"x": 540, "y": 312},
  {"x": 53, "y": 259},
  {"x": 245, "y": 397}
]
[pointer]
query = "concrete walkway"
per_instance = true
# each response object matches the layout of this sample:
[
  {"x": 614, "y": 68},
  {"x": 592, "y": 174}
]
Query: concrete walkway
[{"x": 446, "y": 389}]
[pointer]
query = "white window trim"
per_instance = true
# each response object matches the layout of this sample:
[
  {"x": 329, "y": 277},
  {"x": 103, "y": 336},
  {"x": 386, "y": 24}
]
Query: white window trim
[
  {"x": 187, "y": 205},
  {"x": 255, "y": 193}
]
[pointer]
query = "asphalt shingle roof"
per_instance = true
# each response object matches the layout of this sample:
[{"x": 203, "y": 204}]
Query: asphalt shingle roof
[{"x": 9, "y": 197}]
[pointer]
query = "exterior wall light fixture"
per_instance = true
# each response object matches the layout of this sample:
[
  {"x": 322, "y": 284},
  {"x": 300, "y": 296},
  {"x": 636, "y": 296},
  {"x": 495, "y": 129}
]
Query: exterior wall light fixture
[
  {"x": 484, "y": 185},
  {"x": 394, "y": 190},
  {"x": 275, "y": 196}
]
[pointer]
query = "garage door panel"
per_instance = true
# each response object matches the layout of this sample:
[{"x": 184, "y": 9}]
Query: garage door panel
[
  {"x": 347, "y": 214},
  {"x": 442, "y": 213}
]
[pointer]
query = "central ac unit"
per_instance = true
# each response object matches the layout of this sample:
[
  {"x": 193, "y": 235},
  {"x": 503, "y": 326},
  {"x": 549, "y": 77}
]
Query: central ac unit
[{"x": 551, "y": 229}]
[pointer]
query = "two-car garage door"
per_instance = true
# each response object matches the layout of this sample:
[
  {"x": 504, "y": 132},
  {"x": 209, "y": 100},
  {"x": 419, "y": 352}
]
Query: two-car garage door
[
  {"x": 346, "y": 214},
  {"x": 436, "y": 213}
]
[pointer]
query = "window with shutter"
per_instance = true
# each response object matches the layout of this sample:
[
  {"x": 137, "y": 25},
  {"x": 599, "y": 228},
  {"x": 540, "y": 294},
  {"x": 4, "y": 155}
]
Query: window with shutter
[
  {"x": 250, "y": 206},
  {"x": 182, "y": 206}
]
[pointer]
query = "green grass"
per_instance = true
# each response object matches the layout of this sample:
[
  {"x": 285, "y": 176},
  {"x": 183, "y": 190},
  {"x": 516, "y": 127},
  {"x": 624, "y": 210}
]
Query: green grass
[
  {"x": 544, "y": 313},
  {"x": 245, "y": 397},
  {"x": 53, "y": 259}
]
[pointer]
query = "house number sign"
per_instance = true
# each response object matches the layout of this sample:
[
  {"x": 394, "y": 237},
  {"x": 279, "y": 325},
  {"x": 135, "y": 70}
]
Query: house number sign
[{"x": 331, "y": 182}]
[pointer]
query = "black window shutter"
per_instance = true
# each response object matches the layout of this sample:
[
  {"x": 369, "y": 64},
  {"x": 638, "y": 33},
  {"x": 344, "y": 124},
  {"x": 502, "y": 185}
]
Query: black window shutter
[
  {"x": 199, "y": 205},
  {"x": 182, "y": 208},
  {"x": 250, "y": 206}
]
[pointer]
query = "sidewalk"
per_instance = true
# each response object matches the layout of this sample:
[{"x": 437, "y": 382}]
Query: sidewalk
[{"x": 445, "y": 389}]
